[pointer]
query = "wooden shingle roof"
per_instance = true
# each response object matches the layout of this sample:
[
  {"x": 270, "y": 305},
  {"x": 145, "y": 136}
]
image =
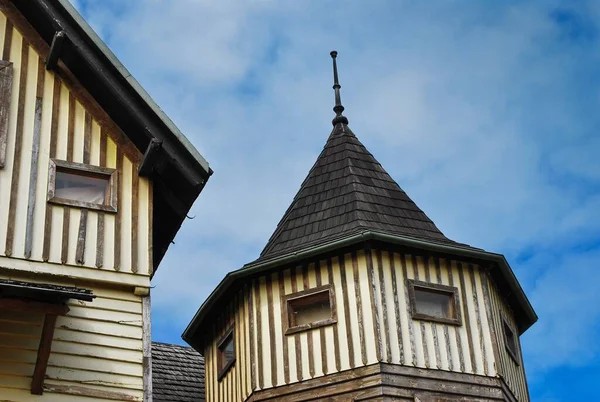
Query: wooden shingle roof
[
  {"x": 177, "y": 374},
  {"x": 347, "y": 191}
]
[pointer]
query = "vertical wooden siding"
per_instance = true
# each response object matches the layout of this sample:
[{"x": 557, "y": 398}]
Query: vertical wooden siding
[
  {"x": 363, "y": 334},
  {"x": 512, "y": 373},
  {"x": 47, "y": 120},
  {"x": 466, "y": 348},
  {"x": 96, "y": 349},
  {"x": 236, "y": 383}
]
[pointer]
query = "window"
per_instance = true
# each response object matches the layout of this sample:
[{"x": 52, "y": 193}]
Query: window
[
  {"x": 83, "y": 186},
  {"x": 510, "y": 341},
  {"x": 310, "y": 308},
  {"x": 225, "y": 353},
  {"x": 434, "y": 302}
]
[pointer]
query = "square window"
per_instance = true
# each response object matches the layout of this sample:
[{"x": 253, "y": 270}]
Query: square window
[
  {"x": 510, "y": 341},
  {"x": 83, "y": 186},
  {"x": 308, "y": 309},
  {"x": 434, "y": 302},
  {"x": 226, "y": 353}
]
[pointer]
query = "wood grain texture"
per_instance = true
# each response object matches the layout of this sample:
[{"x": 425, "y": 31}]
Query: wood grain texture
[
  {"x": 118, "y": 218},
  {"x": 53, "y": 145},
  {"x": 374, "y": 302},
  {"x": 135, "y": 199},
  {"x": 269, "y": 286},
  {"x": 424, "y": 342},
  {"x": 259, "y": 339},
  {"x": 8, "y": 34},
  {"x": 286, "y": 362},
  {"x": 35, "y": 152},
  {"x": 147, "y": 347},
  {"x": 384, "y": 307},
  {"x": 461, "y": 276},
  {"x": 410, "y": 326},
  {"x": 16, "y": 171},
  {"x": 251, "y": 309},
  {"x": 6, "y": 79},
  {"x": 488, "y": 309},
  {"x": 361, "y": 331},
  {"x": 475, "y": 303},
  {"x": 83, "y": 219},
  {"x": 100, "y": 224},
  {"x": 322, "y": 340},
  {"x": 398, "y": 322},
  {"x": 337, "y": 334},
  {"x": 41, "y": 364},
  {"x": 349, "y": 338}
]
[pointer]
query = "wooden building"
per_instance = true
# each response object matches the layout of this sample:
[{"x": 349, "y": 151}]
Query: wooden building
[
  {"x": 359, "y": 296},
  {"x": 95, "y": 181}
]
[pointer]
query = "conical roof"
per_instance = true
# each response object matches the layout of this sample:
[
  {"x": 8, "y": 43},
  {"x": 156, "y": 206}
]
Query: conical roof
[{"x": 347, "y": 191}]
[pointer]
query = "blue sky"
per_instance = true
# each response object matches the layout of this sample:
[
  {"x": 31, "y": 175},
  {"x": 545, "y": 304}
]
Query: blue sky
[{"x": 486, "y": 113}]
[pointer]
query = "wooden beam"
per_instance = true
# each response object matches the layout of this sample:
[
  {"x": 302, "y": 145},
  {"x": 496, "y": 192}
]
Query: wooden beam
[
  {"x": 55, "y": 50},
  {"x": 33, "y": 306},
  {"x": 6, "y": 73},
  {"x": 41, "y": 364},
  {"x": 150, "y": 157}
]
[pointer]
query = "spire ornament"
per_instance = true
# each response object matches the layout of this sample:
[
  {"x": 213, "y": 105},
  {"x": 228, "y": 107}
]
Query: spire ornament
[{"x": 338, "y": 108}]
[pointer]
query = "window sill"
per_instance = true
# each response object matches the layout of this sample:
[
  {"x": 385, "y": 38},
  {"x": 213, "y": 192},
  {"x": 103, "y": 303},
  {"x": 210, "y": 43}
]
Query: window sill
[
  {"x": 82, "y": 204},
  {"x": 439, "y": 320},
  {"x": 308, "y": 327}
]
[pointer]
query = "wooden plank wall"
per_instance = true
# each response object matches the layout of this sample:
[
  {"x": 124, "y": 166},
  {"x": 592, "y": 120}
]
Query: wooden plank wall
[
  {"x": 512, "y": 373},
  {"x": 49, "y": 120},
  {"x": 96, "y": 351},
  {"x": 360, "y": 280},
  {"x": 467, "y": 348},
  {"x": 236, "y": 384}
]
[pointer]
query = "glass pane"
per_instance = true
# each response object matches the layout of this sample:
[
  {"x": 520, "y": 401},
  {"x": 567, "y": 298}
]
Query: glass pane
[
  {"x": 310, "y": 309},
  {"x": 77, "y": 186},
  {"x": 434, "y": 304},
  {"x": 510, "y": 339},
  {"x": 227, "y": 351}
]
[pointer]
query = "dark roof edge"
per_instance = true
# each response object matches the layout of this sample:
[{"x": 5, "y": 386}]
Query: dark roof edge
[
  {"x": 105, "y": 51},
  {"x": 522, "y": 304},
  {"x": 67, "y": 292}
]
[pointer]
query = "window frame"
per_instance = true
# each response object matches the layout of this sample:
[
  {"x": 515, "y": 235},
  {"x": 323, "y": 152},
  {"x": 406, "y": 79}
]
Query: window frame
[
  {"x": 223, "y": 368},
  {"x": 436, "y": 288},
  {"x": 513, "y": 354},
  {"x": 286, "y": 299},
  {"x": 57, "y": 165}
]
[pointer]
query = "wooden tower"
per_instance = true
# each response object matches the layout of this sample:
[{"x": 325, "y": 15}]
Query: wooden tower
[
  {"x": 359, "y": 296},
  {"x": 94, "y": 183}
]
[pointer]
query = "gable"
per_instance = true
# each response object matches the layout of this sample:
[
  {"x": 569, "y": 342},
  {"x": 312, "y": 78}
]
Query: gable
[
  {"x": 178, "y": 172},
  {"x": 50, "y": 119}
]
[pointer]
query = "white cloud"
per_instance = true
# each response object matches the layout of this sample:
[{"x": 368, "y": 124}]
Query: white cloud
[{"x": 481, "y": 113}]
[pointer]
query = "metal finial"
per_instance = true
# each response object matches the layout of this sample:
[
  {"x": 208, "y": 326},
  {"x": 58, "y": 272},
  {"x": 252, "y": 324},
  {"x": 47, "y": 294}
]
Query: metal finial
[{"x": 338, "y": 108}]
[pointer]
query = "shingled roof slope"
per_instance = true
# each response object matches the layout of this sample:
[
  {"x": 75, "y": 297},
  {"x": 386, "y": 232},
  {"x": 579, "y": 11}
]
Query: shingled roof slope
[
  {"x": 348, "y": 191},
  {"x": 177, "y": 374}
]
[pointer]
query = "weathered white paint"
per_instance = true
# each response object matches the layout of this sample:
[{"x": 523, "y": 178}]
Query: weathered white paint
[
  {"x": 97, "y": 350},
  {"x": 18, "y": 228},
  {"x": 416, "y": 338},
  {"x": 96, "y": 344},
  {"x": 512, "y": 373}
]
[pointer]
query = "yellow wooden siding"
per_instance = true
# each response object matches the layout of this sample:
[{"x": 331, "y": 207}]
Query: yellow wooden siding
[
  {"x": 363, "y": 334},
  {"x": 512, "y": 373},
  {"x": 236, "y": 383},
  {"x": 125, "y": 249},
  {"x": 97, "y": 346}
]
